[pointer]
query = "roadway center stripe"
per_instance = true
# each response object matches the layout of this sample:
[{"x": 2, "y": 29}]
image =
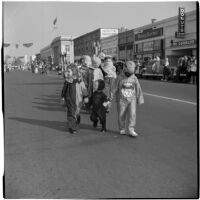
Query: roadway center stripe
[{"x": 168, "y": 98}]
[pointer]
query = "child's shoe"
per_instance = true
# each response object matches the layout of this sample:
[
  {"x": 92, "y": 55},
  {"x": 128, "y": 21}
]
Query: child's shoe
[
  {"x": 72, "y": 131},
  {"x": 133, "y": 133},
  {"x": 103, "y": 130},
  {"x": 122, "y": 132}
]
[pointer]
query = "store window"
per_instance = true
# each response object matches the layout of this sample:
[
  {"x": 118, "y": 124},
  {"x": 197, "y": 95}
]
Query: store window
[
  {"x": 67, "y": 47},
  {"x": 140, "y": 48},
  {"x": 121, "y": 48},
  {"x": 157, "y": 45},
  {"x": 148, "y": 46}
]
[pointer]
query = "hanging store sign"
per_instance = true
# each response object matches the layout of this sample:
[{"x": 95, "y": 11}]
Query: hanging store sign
[
  {"x": 181, "y": 23},
  {"x": 183, "y": 43},
  {"x": 149, "y": 33}
]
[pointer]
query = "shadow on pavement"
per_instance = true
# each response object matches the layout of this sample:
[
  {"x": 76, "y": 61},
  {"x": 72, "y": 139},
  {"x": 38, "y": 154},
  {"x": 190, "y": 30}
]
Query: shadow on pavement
[
  {"x": 50, "y": 103},
  {"x": 47, "y": 103},
  {"x": 60, "y": 126},
  {"x": 49, "y": 99},
  {"x": 44, "y": 83},
  {"x": 50, "y": 108}
]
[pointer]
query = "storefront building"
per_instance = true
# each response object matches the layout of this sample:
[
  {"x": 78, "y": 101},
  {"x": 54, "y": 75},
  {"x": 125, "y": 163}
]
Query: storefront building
[
  {"x": 90, "y": 43},
  {"x": 38, "y": 57},
  {"x": 166, "y": 38},
  {"x": 125, "y": 45},
  {"x": 46, "y": 54},
  {"x": 109, "y": 46},
  {"x": 149, "y": 41},
  {"x": 62, "y": 50},
  {"x": 177, "y": 45}
]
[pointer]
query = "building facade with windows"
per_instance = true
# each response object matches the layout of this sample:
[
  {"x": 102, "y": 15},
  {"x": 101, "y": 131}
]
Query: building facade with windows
[
  {"x": 186, "y": 44},
  {"x": 90, "y": 43},
  {"x": 109, "y": 46},
  {"x": 38, "y": 57},
  {"x": 46, "y": 54},
  {"x": 62, "y": 50},
  {"x": 149, "y": 41},
  {"x": 162, "y": 38},
  {"x": 126, "y": 45}
]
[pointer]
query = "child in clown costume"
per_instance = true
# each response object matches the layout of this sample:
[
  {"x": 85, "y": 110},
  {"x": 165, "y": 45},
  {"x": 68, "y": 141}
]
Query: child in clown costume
[
  {"x": 109, "y": 73},
  {"x": 74, "y": 91},
  {"x": 128, "y": 94}
]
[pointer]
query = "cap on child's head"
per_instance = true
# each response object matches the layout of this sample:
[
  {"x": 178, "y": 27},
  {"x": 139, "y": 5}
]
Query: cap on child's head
[
  {"x": 101, "y": 84},
  {"x": 130, "y": 66}
]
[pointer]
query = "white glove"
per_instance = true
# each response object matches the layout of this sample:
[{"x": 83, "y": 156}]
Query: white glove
[
  {"x": 107, "y": 104},
  {"x": 86, "y": 100}
]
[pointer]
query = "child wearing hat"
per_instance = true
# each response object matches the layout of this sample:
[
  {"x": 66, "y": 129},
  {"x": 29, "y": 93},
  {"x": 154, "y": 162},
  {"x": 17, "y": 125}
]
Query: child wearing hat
[
  {"x": 74, "y": 91},
  {"x": 99, "y": 104},
  {"x": 128, "y": 94},
  {"x": 109, "y": 73}
]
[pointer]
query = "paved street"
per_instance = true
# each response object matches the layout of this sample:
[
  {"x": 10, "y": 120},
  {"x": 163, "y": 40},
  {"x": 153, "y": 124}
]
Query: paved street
[{"x": 43, "y": 160}]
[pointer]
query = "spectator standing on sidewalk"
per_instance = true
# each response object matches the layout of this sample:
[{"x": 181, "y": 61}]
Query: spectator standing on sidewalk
[
  {"x": 193, "y": 70},
  {"x": 166, "y": 70}
]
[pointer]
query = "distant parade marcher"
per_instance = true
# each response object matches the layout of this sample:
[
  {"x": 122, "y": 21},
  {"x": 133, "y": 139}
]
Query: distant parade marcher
[
  {"x": 128, "y": 93},
  {"x": 180, "y": 68},
  {"x": 188, "y": 69},
  {"x": 74, "y": 91},
  {"x": 156, "y": 65},
  {"x": 99, "y": 103}
]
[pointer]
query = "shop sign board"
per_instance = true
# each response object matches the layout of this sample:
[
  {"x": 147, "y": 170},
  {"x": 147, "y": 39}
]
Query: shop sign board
[
  {"x": 181, "y": 23},
  {"x": 183, "y": 43},
  {"x": 108, "y": 32},
  {"x": 149, "y": 33}
]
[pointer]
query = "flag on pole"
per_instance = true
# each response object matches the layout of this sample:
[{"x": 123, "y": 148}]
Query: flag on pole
[{"x": 55, "y": 22}]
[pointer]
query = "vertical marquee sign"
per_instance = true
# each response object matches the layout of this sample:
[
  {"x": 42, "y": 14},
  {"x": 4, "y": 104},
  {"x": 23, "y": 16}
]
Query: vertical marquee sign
[{"x": 181, "y": 24}]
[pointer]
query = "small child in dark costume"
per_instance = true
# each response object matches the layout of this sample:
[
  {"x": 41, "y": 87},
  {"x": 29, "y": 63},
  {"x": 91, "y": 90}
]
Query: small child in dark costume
[{"x": 99, "y": 103}]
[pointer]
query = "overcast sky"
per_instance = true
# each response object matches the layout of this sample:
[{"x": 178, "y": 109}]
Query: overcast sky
[{"x": 33, "y": 21}]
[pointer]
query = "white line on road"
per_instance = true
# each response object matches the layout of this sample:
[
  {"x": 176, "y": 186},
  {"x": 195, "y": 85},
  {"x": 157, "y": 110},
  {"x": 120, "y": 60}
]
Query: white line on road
[{"x": 168, "y": 98}]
